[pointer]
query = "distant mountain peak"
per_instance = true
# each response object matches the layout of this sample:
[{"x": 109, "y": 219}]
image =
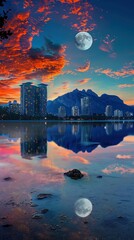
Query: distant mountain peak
[{"x": 98, "y": 104}]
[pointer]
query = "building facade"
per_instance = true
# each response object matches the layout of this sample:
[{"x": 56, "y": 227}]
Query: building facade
[
  {"x": 85, "y": 106},
  {"x": 34, "y": 100},
  {"x": 109, "y": 111},
  {"x": 118, "y": 113},
  {"x": 75, "y": 111},
  {"x": 14, "y": 107},
  {"x": 41, "y": 100}
]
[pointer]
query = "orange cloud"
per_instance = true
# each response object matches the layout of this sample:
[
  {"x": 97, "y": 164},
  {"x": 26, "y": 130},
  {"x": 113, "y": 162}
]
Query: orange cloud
[
  {"x": 20, "y": 62},
  {"x": 27, "y": 3},
  {"x": 69, "y": 1},
  {"x": 63, "y": 88},
  {"x": 84, "y": 81},
  {"x": 84, "y": 68},
  {"x": 65, "y": 85},
  {"x": 107, "y": 44},
  {"x": 80, "y": 14},
  {"x": 65, "y": 16},
  {"x": 23, "y": 16},
  {"x": 67, "y": 72},
  {"x": 126, "y": 85},
  {"x": 124, "y": 72}
]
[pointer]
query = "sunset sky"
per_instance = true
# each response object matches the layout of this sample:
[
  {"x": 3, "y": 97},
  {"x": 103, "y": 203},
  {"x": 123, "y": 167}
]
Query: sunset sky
[{"x": 42, "y": 47}]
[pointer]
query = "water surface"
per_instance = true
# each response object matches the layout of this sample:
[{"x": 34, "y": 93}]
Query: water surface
[{"x": 35, "y": 157}]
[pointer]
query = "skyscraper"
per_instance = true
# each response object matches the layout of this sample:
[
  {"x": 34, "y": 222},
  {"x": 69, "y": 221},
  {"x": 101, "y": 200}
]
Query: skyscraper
[
  {"x": 75, "y": 111},
  {"x": 28, "y": 99},
  {"x": 109, "y": 111},
  {"x": 85, "y": 106},
  {"x": 41, "y": 100},
  {"x": 34, "y": 99}
]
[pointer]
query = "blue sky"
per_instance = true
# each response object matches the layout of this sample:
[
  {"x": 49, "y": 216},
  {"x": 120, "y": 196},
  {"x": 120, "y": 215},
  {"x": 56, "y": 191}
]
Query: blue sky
[{"x": 42, "y": 47}]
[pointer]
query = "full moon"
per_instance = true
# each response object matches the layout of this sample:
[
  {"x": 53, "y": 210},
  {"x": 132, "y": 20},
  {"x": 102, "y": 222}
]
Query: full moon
[
  {"x": 83, "y": 207},
  {"x": 83, "y": 40}
]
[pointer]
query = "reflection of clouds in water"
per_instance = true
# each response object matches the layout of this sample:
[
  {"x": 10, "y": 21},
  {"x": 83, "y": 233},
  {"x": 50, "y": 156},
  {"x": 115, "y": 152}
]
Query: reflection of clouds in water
[
  {"x": 119, "y": 156},
  {"x": 129, "y": 139},
  {"x": 4, "y": 164},
  {"x": 116, "y": 168}
]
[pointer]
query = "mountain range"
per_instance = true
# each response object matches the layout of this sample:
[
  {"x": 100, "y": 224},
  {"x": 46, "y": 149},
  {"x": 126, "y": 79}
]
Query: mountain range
[{"x": 97, "y": 103}]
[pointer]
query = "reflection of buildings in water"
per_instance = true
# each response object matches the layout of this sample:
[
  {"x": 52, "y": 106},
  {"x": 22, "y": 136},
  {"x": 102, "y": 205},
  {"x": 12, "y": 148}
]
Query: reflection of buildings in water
[
  {"x": 61, "y": 128},
  {"x": 109, "y": 128},
  {"x": 86, "y": 134},
  {"x": 118, "y": 126},
  {"x": 129, "y": 125},
  {"x": 33, "y": 141},
  {"x": 13, "y": 139},
  {"x": 75, "y": 129}
]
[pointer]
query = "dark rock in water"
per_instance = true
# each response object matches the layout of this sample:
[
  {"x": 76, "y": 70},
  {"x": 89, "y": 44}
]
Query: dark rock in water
[
  {"x": 6, "y": 225},
  {"x": 8, "y": 179},
  {"x": 99, "y": 176},
  {"x": 43, "y": 195},
  {"x": 43, "y": 211},
  {"x": 74, "y": 174},
  {"x": 36, "y": 216},
  {"x": 120, "y": 217}
]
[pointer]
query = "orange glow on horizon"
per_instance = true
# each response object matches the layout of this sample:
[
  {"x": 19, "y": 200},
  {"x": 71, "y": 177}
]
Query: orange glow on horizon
[{"x": 129, "y": 102}]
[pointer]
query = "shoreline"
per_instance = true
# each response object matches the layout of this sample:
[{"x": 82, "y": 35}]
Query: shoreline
[{"x": 69, "y": 121}]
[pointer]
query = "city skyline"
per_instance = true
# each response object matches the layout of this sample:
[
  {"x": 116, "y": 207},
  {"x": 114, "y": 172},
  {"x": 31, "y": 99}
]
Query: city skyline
[
  {"x": 33, "y": 103},
  {"x": 34, "y": 141},
  {"x": 42, "y": 48}
]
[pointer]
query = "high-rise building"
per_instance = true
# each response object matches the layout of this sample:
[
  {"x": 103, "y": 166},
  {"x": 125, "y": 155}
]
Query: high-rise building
[
  {"x": 118, "y": 113},
  {"x": 62, "y": 111},
  {"x": 109, "y": 111},
  {"x": 75, "y": 111},
  {"x": 85, "y": 110},
  {"x": 34, "y": 99},
  {"x": 28, "y": 99},
  {"x": 41, "y": 100},
  {"x": 14, "y": 107}
]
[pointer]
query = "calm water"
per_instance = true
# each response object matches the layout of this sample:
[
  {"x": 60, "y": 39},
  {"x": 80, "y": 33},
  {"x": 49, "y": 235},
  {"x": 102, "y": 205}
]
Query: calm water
[{"x": 35, "y": 156}]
